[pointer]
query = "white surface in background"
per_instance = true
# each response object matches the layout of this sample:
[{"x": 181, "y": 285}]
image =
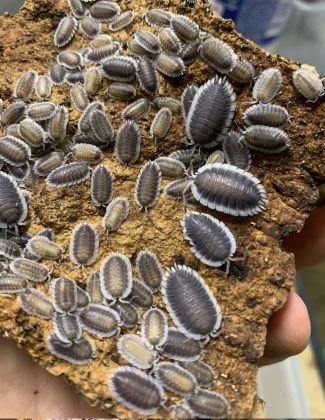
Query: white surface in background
[
  {"x": 11, "y": 6},
  {"x": 282, "y": 389}
]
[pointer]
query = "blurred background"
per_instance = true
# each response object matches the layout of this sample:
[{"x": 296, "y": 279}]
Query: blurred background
[{"x": 295, "y": 29}]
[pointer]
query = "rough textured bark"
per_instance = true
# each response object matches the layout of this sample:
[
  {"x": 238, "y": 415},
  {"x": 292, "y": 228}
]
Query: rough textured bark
[{"x": 255, "y": 288}]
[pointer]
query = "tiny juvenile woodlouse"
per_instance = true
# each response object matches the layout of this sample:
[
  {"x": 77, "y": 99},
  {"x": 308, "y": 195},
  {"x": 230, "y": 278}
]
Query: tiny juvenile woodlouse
[
  {"x": 47, "y": 163},
  {"x": 180, "y": 347},
  {"x": 79, "y": 97},
  {"x": 147, "y": 187},
  {"x": 12, "y": 284},
  {"x": 171, "y": 167},
  {"x": 93, "y": 288},
  {"x": 14, "y": 151},
  {"x": 101, "y": 40},
  {"x": 92, "y": 80},
  {"x": 90, "y": 27},
  {"x": 176, "y": 190},
  {"x": 65, "y": 31},
  {"x": 10, "y": 249},
  {"x": 228, "y": 189},
  {"x": 14, "y": 113},
  {"x": 57, "y": 74},
  {"x": 190, "y": 303},
  {"x": 128, "y": 143},
  {"x": 102, "y": 185},
  {"x": 308, "y": 83},
  {"x": 211, "y": 241},
  {"x": 32, "y": 133},
  {"x": 137, "y": 110},
  {"x": 68, "y": 174},
  {"x": 87, "y": 153},
  {"x": 35, "y": 302},
  {"x": 141, "y": 294},
  {"x": 213, "y": 107},
  {"x": 175, "y": 378},
  {"x": 100, "y": 320},
  {"x": 187, "y": 98},
  {"x": 208, "y": 404},
  {"x": 64, "y": 294},
  {"x": 154, "y": 328},
  {"x": 121, "y": 21},
  {"x": 84, "y": 244},
  {"x": 101, "y": 127},
  {"x": 169, "y": 65},
  {"x": 129, "y": 315},
  {"x": 40, "y": 111},
  {"x": 119, "y": 68},
  {"x": 77, "y": 8},
  {"x": 168, "y": 102},
  {"x": 116, "y": 212},
  {"x": 149, "y": 269},
  {"x": 269, "y": 114},
  {"x": 25, "y": 85},
  {"x": 43, "y": 248},
  {"x": 268, "y": 85},
  {"x": 121, "y": 91},
  {"x": 216, "y": 157},
  {"x": 78, "y": 353},
  {"x": 236, "y": 153},
  {"x": 218, "y": 55},
  {"x": 67, "y": 327},
  {"x": 170, "y": 41},
  {"x": 203, "y": 373},
  {"x": 266, "y": 139},
  {"x": 147, "y": 76},
  {"x": 136, "y": 390},
  {"x": 57, "y": 125},
  {"x": 13, "y": 206},
  {"x": 185, "y": 28},
  {"x": 116, "y": 277},
  {"x": 70, "y": 59},
  {"x": 43, "y": 87},
  {"x": 134, "y": 349},
  {"x": 148, "y": 41},
  {"x": 243, "y": 71},
  {"x": 161, "y": 123},
  {"x": 158, "y": 18},
  {"x": 104, "y": 11}
]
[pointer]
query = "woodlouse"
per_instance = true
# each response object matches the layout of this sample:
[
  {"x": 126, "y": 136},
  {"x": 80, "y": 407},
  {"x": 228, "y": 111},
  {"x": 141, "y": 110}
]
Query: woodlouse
[
  {"x": 135, "y": 50},
  {"x": 137, "y": 110},
  {"x": 267, "y": 85},
  {"x": 35, "y": 302},
  {"x": 100, "y": 320},
  {"x": 25, "y": 85},
  {"x": 68, "y": 174},
  {"x": 87, "y": 153},
  {"x": 78, "y": 353},
  {"x": 57, "y": 74},
  {"x": 148, "y": 41},
  {"x": 20, "y": 173},
  {"x": 98, "y": 54},
  {"x": 266, "y": 139},
  {"x": 308, "y": 83},
  {"x": 128, "y": 143},
  {"x": 208, "y": 404},
  {"x": 13, "y": 207},
  {"x": 216, "y": 157},
  {"x": 243, "y": 71},
  {"x": 171, "y": 167},
  {"x": 101, "y": 40},
  {"x": 203, "y": 373},
  {"x": 167, "y": 102},
  {"x": 119, "y": 68},
  {"x": 161, "y": 123},
  {"x": 84, "y": 244},
  {"x": 129, "y": 315},
  {"x": 70, "y": 59},
  {"x": 116, "y": 212},
  {"x": 57, "y": 125},
  {"x": 74, "y": 77},
  {"x": 40, "y": 111},
  {"x": 14, "y": 113},
  {"x": 147, "y": 76},
  {"x": 211, "y": 241},
  {"x": 43, "y": 248},
  {"x": 188, "y": 157},
  {"x": 180, "y": 347},
  {"x": 141, "y": 294},
  {"x": 79, "y": 97},
  {"x": 269, "y": 114},
  {"x": 77, "y": 8},
  {"x": 12, "y": 284},
  {"x": 116, "y": 277},
  {"x": 175, "y": 378},
  {"x": 82, "y": 298},
  {"x": 236, "y": 153},
  {"x": 134, "y": 349},
  {"x": 65, "y": 31},
  {"x": 149, "y": 269},
  {"x": 90, "y": 27},
  {"x": 121, "y": 91},
  {"x": 218, "y": 55},
  {"x": 190, "y": 303},
  {"x": 211, "y": 112},
  {"x": 67, "y": 327},
  {"x": 102, "y": 185},
  {"x": 154, "y": 329},
  {"x": 47, "y": 163},
  {"x": 104, "y": 11},
  {"x": 14, "y": 151},
  {"x": 185, "y": 28},
  {"x": 180, "y": 411},
  {"x": 101, "y": 126},
  {"x": 84, "y": 123},
  {"x": 10, "y": 249},
  {"x": 93, "y": 288},
  {"x": 136, "y": 390},
  {"x": 170, "y": 41},
  {"x": 147, "y": 187},
  {"x": 189, "y": 52},
  {"x": 228, "y": 189},
  {"x": 158, "y": 18},
  {"x": 92, "y": 80},
  {"x": 187, "y": 97},
  {"x": 64, "y": 294},
  {"x": 176, "y": 190},
  {"x": 43, "y": 87},
  {"x": 121, "y": 21},
  {"x": 33, "y": 134},
  {"x": 169, "y": 65}
]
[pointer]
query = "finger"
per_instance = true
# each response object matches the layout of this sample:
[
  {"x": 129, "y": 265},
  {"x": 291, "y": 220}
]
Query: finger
[
  {"x": 309, "y": 245},
  {"x": 288, "y": 331}
]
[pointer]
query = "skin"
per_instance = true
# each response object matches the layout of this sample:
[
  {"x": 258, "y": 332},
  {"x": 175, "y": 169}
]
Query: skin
[{"x": 27, "y": 390}]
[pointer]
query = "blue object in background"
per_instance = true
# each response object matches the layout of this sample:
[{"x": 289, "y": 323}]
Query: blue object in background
[{"x": 11, "y": 6}]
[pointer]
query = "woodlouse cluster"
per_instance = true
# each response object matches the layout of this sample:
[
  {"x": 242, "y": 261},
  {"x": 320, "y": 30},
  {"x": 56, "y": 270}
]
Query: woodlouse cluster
[{"x": 212, "y": 171}]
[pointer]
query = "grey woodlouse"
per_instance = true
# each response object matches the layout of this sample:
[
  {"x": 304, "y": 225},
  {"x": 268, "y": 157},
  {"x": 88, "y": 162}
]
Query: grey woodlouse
[
  {"x": 136, "y": 390},
  {"x": 104, "y": 11},
  {"x": 218, "y": 55},
  {"x": 167, "y": 102},
  {"x": 243, "y": 71},
  {"x": 266, "y": 139},
  {"x": 84, "y": 244},
  {"x": 228, "y": 189},
  {"x": 12, "y": 284},
  {"x": 141, "y": 294},
  {"x": 47, "y": 163},
  {"x": 67, "y": 327},
  {"x": 98, "y": 54},
  {"x": 147, "y": 187},
  {"x": 78, "y": 353},
  {"x": 84, "y": 122},
  {"x": 10, "y": 249},
  {"x": 190, "y": 303},
  {"x": 83, "y": 299},
  {"x": 135, "y": 50},
  {"x": 25, "y": 85},
  {"x": 20, "y": 173},
  {"x": 308, "y": 83},
  {"x": 75, "y": 76},
  {"x": 147, "y": 76},
  {"x": 176, "y": 190},
  {"x": 211, "y": 112},
  {"x": 92, "y": 80},
  {"x": 236, "y": 153},
  {"x": 185, "y": 28},
  {"x": 134, "y": 349},
  {"x": 48, "y": 233},
  {"x": 116, "y": 213},
  {"x": 89, "y": 27},
  {"x": 203, "y": 373},
  {"x": 100, "y": 320},
  {"x": 208, "y": 404},
  {"x": 175, "y": 378},
  {"x": 14, "y": 151},
  {"x": 40, "y": 111},
  {"x": 269, "y": 114},
  {"x": 119, "y": 68},
  {"x": 102, "y": 185},
  {"x": 43, "y": 87},
  {"x": 77, "y": 8},
  {"x": 36, "y": 303},
  {"x": 12, "y": 130},
  {"x": 68, "y": 174},
  {"x": 79, "y": 97},
  {"x": 57, "y": 125},
  {"x": 169, "y": 65},
  {"x": 137, "y": 110},
  {"x": 154, "y": 329},
  {"x": 65, "y": 31},
  {"x": 128, "y": 143},
  {"x": 161, "y": 123},
  {"x": 129, "y": 315},
  {"x": 101, "y": 40},
  {"x": 93, "y": 288},
  {"x": 170, "y": 41},
  {"x": 189, "y": 52},
  {"x": 121, "y": 21},
  {"x": 64, "y": 294},
  {"x": 13, "y": 207},
  {"x": 187, "y": 98},
  {"x": 57, "y": 74},
  {"x": 121, "y": 91},
  {"x": 268, "y": 85},
  {"x": 149, "y": 269},
  {"x": 43, "y": 248},
  {"x": 158, "y": 18},
  {"x": 116, "y": 277},
  {"x": 33, "y": 134},
  {"x": 14, "y": 113},
  {"x": 171, "y": 167},
  {"x": 188, "y": 157},
  {"x": 70, "y": 59},
  {"x": 180, "y": 347},
  {"x": 148, "y": 41},
  {"x": 180, "y": 411},
  {"x": 216, "y": 157},
  {"x": 211, "y": 240},
  {"x": 87, "y": 153}
]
